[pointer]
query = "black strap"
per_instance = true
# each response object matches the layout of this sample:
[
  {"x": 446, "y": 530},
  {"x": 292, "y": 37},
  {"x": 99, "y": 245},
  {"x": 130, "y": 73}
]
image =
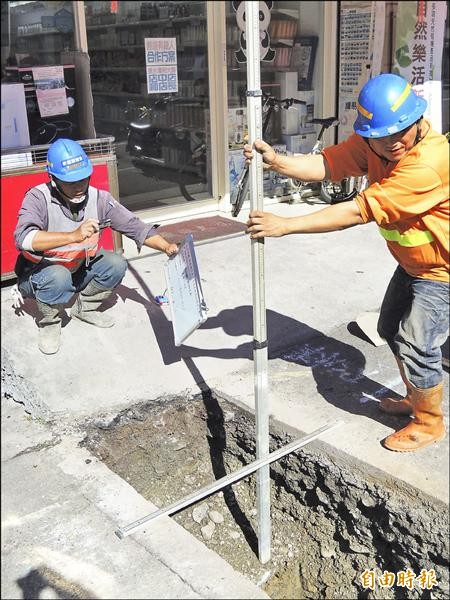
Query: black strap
[
  {"x": 342, "y": 197},
  {"x": 259, "y": 345}
]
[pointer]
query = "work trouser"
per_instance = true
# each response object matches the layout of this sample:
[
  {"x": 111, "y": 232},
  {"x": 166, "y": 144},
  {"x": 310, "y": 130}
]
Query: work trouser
[
  {"x": 414, "y": 320},
  {"x": 54, "y": 284}
]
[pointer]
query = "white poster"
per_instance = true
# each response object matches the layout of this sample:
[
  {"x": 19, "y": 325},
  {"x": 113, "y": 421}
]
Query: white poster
[
  {"x": 354, "y": 47},
  {"x": 376, "y": 44},
  {"x": 15, "y": 132},
  {"x": 361, "y": 52},
  {"x": 354, "y": 56},
  {"x": 418, "y": 51},
  {"x": 50, "y": 90},
  {"x": 161, "y": 65}
]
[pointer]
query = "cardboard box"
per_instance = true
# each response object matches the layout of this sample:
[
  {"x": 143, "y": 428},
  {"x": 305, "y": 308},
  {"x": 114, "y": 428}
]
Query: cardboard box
[
  {"x": 267, "y": 184},
  {"x": 288, "y": 84},
  {"x": 278, "y": 182},
  {"x": 303, "y": 113},
  {"x": 301, "y": 143},
  {"x": 290, "y": 121},
  {"x": 237, "y": 126},
  {"x": 306, "y": 112}
]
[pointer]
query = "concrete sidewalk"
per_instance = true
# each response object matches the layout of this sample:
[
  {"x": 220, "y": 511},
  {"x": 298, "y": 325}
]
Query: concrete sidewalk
[{"x": 60, "y": 511}]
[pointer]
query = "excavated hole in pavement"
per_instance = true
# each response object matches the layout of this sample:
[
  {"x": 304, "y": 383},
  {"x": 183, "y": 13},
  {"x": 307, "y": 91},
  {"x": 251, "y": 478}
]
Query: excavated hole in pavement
[{"x": 332, "y": 517}]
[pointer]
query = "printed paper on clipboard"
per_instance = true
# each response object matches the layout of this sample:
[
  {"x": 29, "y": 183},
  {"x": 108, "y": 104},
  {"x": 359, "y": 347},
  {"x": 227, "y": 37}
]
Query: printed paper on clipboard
[{"x": 187, "y": 305}]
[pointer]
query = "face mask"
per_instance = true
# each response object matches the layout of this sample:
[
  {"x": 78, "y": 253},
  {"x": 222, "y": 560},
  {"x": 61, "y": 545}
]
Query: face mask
[{"x": 77, "y": 200}]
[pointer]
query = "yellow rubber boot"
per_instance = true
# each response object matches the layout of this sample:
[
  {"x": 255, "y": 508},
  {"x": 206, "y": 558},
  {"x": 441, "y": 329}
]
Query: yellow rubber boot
[
  {"x": 426, "y": 428},
  {"x": 391, "y": 406}
]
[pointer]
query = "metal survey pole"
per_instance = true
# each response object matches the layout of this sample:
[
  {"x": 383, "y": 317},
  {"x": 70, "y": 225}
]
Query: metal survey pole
[{"x": 254, "y": 118}]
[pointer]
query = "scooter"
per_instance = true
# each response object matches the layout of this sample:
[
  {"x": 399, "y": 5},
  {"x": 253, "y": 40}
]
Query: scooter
[{"x": 176, "y": 154}]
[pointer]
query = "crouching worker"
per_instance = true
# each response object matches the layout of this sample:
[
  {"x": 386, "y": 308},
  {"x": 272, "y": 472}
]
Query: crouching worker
[
  {"x": 57, "y": 235},
  {"x": 408, "y": 197}
]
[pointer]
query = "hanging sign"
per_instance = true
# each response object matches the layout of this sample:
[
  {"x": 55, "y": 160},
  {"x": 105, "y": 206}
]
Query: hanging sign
[
  {"x": 161, "y": 65},
  {"x": 187, "y": 305},
  {"x": 354, "y": 56},
  {"x": 265, "y": 51},
  {"x": 418, "y": 52},
  {"x": 361, "y": 49}
]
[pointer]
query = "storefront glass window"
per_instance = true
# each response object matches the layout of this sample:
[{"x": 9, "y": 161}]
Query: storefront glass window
[
  {"x": 35, "y": 33},
  {"x": 149, "y": 75},
  {"x": 289, "y": 33},
  {"x": 35, "y": 38}
]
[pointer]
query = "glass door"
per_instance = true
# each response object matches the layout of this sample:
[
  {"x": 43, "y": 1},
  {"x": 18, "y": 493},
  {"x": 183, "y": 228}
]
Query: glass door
[
  {"x": 290, "y": 34},
  {"x": 149, "y": 74}
]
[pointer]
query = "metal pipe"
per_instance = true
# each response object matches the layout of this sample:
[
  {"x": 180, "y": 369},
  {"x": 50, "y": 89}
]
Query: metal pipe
[
  {"x": 225, "y": 481},
  {"x": 260, "y": 358}
]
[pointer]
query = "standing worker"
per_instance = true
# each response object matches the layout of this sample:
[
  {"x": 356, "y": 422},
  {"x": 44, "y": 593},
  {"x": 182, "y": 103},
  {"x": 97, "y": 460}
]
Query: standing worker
[
  {"x": 408, "y": 197},
  {"x": 57, "y": 235}
]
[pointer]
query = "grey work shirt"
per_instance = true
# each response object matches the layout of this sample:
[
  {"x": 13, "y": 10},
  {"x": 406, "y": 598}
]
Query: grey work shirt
[{"x": 33, "y": 216}]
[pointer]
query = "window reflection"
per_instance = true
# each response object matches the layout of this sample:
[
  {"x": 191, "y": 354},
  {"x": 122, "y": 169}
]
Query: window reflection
[
  {"x": 35, "y": 33},
  {"x": 162, "y": 136},
  {"x": 287, "y": 69}
]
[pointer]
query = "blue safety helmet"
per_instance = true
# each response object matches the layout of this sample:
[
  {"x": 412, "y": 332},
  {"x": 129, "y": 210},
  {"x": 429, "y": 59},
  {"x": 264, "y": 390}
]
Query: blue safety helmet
[
  {"x": 67, "y": 161},
  {"x": 387, "y": 104}
]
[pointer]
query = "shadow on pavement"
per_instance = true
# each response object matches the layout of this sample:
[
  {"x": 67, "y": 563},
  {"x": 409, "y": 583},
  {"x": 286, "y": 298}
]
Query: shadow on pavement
[
  {"x": 337, "y": 367},
  {"x": 44, "y": 578}
]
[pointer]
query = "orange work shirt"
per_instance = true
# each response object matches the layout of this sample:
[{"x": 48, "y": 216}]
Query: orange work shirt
[{"x": 409, "y": 200}]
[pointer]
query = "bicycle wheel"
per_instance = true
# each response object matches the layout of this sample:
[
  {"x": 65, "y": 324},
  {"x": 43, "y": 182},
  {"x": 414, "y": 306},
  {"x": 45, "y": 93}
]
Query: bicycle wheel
[
  {"x": 192, "y": 191},
  {"x": 295, "y": 185},
  {"x": 240, "y": 192},
  {"x": 302, "y": 189},
  {"x": 192, "y": 177},
  {"x": 330, "y": 191},
  {"x": 343, "y": 191},
  {"x": 192, "y": 181}
]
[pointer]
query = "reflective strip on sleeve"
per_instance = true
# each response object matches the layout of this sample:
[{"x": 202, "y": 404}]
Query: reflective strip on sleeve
[{"x": 407, "y": 239}]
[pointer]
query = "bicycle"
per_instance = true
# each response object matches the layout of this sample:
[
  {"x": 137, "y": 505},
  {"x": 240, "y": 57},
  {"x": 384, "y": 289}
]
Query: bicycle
[
  {"x": 306, "y": 189},
  {"x": 330, "y": 192},
  {"x": 346, "y": 189}
]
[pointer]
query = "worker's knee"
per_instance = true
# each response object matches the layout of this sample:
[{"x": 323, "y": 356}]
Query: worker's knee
[
  {"x": 54, "y": 276},
  {"x": 109, "y": 269},
  {"x": 52, "y": 285}
]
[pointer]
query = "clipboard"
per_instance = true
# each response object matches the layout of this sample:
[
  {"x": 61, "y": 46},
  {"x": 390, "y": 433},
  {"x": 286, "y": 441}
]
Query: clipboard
[{"x": 187, "y": 304}]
